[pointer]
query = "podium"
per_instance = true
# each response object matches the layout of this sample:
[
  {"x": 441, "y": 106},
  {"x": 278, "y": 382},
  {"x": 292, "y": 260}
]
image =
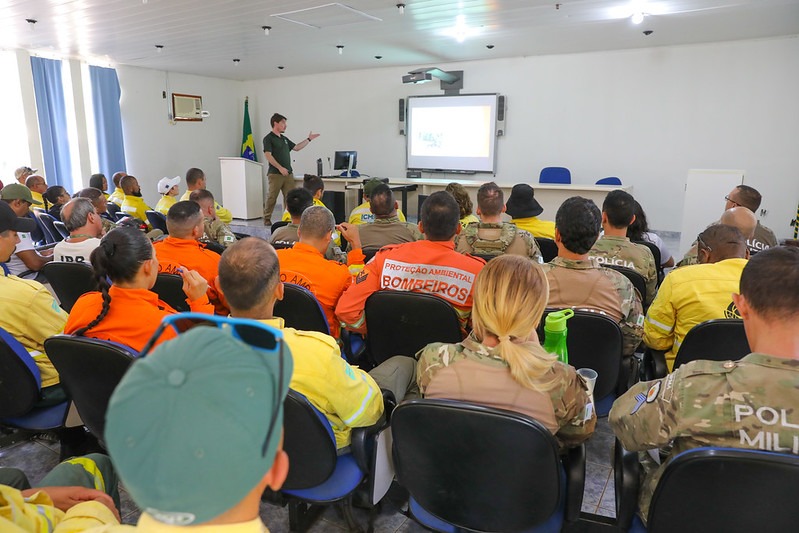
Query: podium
[{"x": 242, "y": 187}]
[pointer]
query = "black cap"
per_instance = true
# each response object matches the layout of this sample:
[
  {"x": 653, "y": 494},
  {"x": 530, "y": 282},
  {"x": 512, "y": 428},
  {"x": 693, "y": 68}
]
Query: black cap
[
  {"x": 10, "y": 220},
  {"x": 522, "y": 202}
]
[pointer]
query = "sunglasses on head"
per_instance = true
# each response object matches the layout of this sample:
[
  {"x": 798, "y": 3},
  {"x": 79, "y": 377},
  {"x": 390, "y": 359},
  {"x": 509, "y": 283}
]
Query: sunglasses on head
[
  {"x": 703, "y": 244},
  {"x": 267, "y": 340}
]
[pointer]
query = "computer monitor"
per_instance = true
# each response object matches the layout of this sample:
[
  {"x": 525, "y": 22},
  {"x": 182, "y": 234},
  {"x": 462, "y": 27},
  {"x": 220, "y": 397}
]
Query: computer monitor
[{"x": 345, "y": 160}]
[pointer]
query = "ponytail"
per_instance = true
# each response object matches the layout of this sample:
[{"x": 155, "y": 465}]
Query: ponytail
[{"x": 528, "y": 363}]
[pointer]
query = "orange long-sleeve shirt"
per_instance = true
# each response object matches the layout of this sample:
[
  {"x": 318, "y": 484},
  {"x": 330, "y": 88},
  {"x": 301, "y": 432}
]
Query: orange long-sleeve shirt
[
  {"x": 305, "y": 265},
  {"x": 133, "y": 317}
]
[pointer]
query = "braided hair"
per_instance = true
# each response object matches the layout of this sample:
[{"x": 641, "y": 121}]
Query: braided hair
[
  {"x": 50, "y": 196},
  {"x": 118, "y": 258}
]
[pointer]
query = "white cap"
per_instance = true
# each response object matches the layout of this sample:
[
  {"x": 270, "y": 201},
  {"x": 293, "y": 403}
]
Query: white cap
[{"x": 164, "y": 184}]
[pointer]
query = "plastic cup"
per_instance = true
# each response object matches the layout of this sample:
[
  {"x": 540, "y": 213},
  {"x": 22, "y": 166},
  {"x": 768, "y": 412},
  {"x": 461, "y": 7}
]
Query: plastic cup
[{"x": 589, "y": 375}]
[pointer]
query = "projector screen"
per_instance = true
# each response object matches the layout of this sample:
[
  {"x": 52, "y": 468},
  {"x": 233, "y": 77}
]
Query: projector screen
[{"x": 452, "y": 132}]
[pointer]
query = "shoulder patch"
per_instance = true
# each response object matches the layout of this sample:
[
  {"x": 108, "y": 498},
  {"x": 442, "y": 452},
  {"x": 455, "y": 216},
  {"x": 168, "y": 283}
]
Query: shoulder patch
[
  {"x": 654, "y": 390},
  {"x": 362, "y": 275}
]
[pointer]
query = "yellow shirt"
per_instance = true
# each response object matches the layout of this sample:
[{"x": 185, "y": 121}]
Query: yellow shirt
[
  {"x": 37, "y": 196},
  {"x": 345, "y": 394},
  {"x": 37, "y": 513},
  {"x": 468, "y": 219},
  {"x": 221, "y": 213},
  {"x": 136, "y": 207},
  {"x": 363, "y": 214},
  {"x": 165, "y": 203},
  {"x": 117, "y": 196},
  {"x": 539, "y": 228},
  {"x": 151, "y": 525},
  {"x": 688, "y": 296}
]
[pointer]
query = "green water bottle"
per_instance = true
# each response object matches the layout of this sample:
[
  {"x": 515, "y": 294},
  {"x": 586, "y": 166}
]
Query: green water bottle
[{"x": 555, "y": 334}]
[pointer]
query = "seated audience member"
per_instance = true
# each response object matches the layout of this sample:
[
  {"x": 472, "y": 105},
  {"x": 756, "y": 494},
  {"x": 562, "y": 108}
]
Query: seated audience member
[
  {"x": 790, "y": 242},
  {"x": 614, "y": 248},
  {"x": 737, "y": 217},
  {"x": 197, "y": 439},
  {"x": 465, "y": 206},
  {"x": 21, "y": 174},
  {"x": 363, "y": 213},
  {"x": 297, "y": 201},
  {"x": 579, "y": 282},
  {"x": 76, "y": 495},
  {"x": 54, "y": 199},
  {"x": 126, "y": 310},
  {"x": 37, "y": 186},
  {"x": 491, "y": 236},
  {"x": 430, "y": 266},
  {"x": 100, "y": 204},
  {"x": 195, "y": 179},
  {"x": 98, "y": 181},
  {"x": 501, "y": 363},
  {"x": 750, "y": 198},
  {"x": 249, "y": 275},
  {"x": 386, "y": 228},
  {"x": 214, "y": 230},
  {"x": 638, "y": 231},
  {"x": 85, "y": 228},
  {"x": 133, "y": 204},
  {"x": 26, "y": 257},
  {"x": 696, "y": 293},
  {"x": 28, "y": 311},
  {"x": 314, "y": 185},
  {"x": 118, "y": 196},
  {"x": 182, "y": 249},
  {"x": 727, "y": 403},
  {"x": 305, "y": 265},
  {"x": 523, "y": 209},
  {"x": 168, "y": 189}
]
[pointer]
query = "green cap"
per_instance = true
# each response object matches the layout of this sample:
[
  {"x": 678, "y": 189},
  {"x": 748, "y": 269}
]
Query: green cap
[
  {"x": 15, "y": 191},
  {"x": 370, "y": 185},
  {"x": 556, "y": 320},
  {"x": 186, "y": 426}
]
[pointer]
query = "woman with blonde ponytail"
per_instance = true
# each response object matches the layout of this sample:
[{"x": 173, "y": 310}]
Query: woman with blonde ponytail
[{"x": 502, "y": 363}]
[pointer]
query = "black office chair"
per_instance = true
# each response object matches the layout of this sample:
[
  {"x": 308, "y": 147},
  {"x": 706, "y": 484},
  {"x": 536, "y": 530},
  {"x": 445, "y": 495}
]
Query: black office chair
[
  {"x": 595, "y": 341},
  {"x": 300, "y": 310},
  {"x": 90, "y": 369},
  {"x": 656, "y": 254},
  {"x": 469, "y": 467},
  {"x": 715, "y": 489},
  {"x": 402, "y": 323},
  {"x": 157, "y": 221},
  {"x": 61, "y": 228},
  {"x": 169, "y": 288},
  {"x": 638, "y": 281},
  {"x": 277, "y": 225},
  {"x": 369, "y": 252},
  {"x": 69, "y": 281},
  {"x": 319, "y": 475},
  {"x": 721, "y": 339},
  {"x": 549, "y": 250},
  {"x": 282, "y": 245},
  {"x": 111, "y": 210}
]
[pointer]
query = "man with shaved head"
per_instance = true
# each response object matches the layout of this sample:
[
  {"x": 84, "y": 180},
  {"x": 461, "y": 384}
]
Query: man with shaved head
[
  {"x": 118, "y": 196},
  {"x": 37, "y": 185},
  {"x": 696, "y": 293},
  {"x": 741, "y": 218}
]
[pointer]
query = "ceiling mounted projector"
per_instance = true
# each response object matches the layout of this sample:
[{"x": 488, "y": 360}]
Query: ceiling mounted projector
[{"x": 417, "y": 77}]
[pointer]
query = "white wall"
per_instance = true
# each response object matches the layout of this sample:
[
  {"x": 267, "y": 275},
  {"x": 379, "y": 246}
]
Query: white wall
[
  {"x": 647, "y": 116},
  {"x": 155, "y": 148}
]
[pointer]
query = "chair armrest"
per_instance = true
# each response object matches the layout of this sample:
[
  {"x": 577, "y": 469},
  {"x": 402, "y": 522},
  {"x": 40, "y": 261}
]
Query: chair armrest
[
  {"x": 654, "y": 364},
  {"x": 362, "y": 440},
  {"x": 626, "y": 472},
  {"x": 574, "y": 464}
]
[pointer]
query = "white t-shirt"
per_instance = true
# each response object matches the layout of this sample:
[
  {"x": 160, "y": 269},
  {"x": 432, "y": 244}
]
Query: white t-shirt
[
  {"x": 655, "y": 239},
  {"x": 15, "y": 265},
  {"x": 75, "y": 252}
]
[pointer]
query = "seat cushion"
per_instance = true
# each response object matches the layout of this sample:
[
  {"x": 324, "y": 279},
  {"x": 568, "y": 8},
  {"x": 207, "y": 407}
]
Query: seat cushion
[{"x": 345, "y": 478}]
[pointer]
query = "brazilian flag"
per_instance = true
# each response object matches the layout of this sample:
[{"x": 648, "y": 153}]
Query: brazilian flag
[{"x": 247, "y": 144}]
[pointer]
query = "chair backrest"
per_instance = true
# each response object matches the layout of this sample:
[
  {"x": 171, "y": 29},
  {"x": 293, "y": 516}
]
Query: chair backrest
[
  {"x": 549, "y": 250},
  {"x": 61, "y": 228},
  {"x": 555, "y": 175},
  {"x": 369, "y": 252},
  {"x": 402, "y": 323},
  {"x": 638, "y": 281},
  {"x": 157, "y": 221},
  {"x": 20, "y": 381},
  {"x": 169, "y": 288},
  {"x": 475, "y": 467},
  {"x": 300, "y": 309},
  {"x": 309, "y": 442},
  {"x": 90, "y": 369},
  {"x": 593, "y": 341},
  {"x": 277, "y": 225},
  {"x": 716, "y": 340},
  {"x": 48, "y": 221},
  {"x": 69, "y": 281},
  {"x": 112, "y": 210},
  {"x": 43, "y": 231},
  {"x": 724, "y": 489},
  {"x": 611, "y": 180},
  {"x": 655, "y": 253}
]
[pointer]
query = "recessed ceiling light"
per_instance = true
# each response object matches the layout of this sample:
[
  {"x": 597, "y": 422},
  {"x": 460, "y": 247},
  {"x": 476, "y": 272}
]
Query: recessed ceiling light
[
  {"x": 266, "y": 29},
  {"x": 460, "y": 31},
  {"x": 340, "y": 49},
  {"x": 236, "y": 61},
  {"x": 159, "y": 48}
]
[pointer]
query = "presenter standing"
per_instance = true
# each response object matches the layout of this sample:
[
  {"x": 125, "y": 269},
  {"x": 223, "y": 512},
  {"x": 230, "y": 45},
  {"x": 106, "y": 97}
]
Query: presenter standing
[{"x": 277, "y": 150}]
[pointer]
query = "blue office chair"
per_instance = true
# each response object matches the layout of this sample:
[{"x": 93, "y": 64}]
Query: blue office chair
[
  {"x": 48, "y": 223},
  {"x": 613, "y": 180},
  {"x": 61, "y": 228},
  {"x": 157, "y": 221},
  {"x": 559, "y": 175}
]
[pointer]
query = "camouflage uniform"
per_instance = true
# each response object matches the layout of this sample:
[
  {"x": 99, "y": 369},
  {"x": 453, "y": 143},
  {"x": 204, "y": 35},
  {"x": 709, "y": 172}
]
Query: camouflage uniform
[
  {"x": 219, "y": 232},
  {"x": 484, "y": 238},
  {"x": 473, "y": 372},
  {"x": 619, "y": 251},
  {"x": 288, "y": 234},
  {"x": 752, "y": 403},
  {"x": 584, "y": 284},
  {"x": 691, "y": 257},
  {"x": 391, "y": 230},
  {"x": 763, "y": 240}
]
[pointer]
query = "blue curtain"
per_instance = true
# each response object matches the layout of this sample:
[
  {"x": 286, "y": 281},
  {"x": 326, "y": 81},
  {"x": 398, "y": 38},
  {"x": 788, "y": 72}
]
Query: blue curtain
[
  {"x": 52, "y": 113},
  {"x": 107, "y": 120}
]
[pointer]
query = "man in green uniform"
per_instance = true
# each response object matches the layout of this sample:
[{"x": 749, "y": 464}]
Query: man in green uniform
[
  {"x": 751, "y": 403},
  {"x": 277, "y": 150},
  {"x": 214, "y": 230}
]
